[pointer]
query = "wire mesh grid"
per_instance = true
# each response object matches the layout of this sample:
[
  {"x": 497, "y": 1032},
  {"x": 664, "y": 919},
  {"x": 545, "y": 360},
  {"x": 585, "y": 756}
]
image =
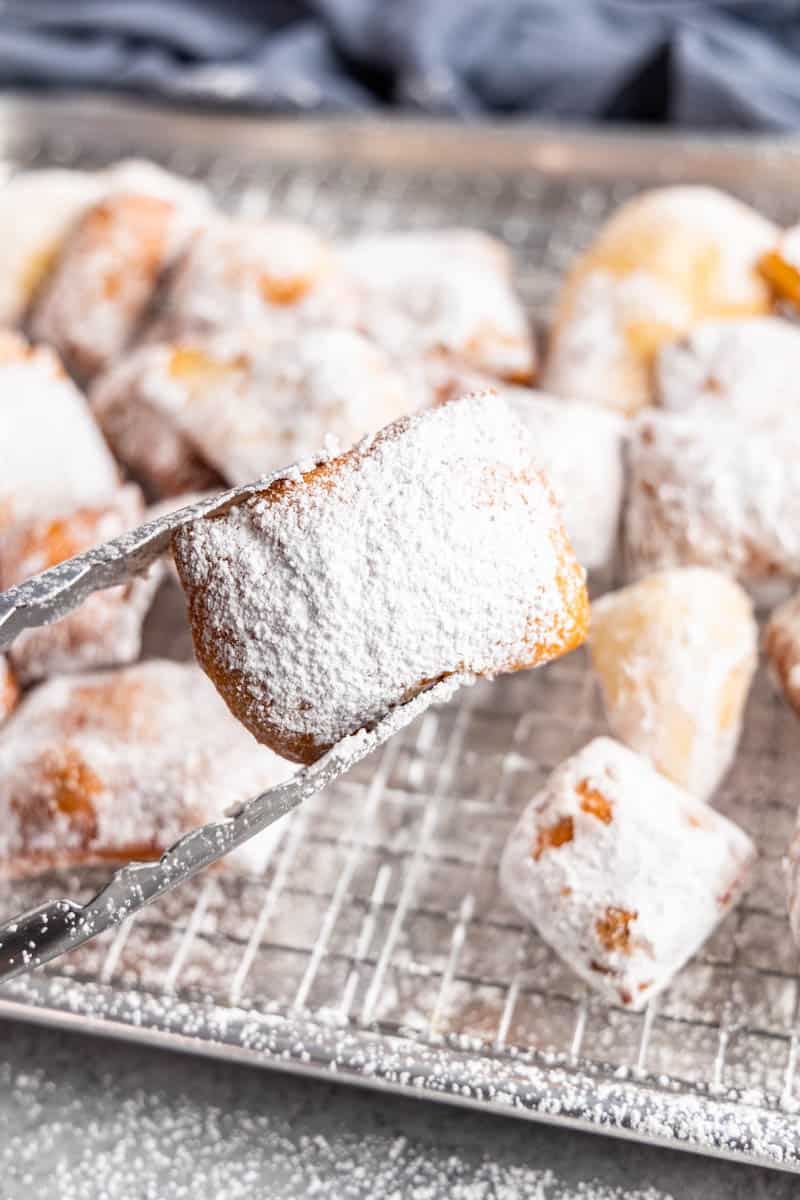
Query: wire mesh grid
[{"x": 378, "y": 912}]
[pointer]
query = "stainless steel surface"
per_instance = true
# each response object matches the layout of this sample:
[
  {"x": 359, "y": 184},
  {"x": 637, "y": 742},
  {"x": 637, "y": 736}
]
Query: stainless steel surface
[{"x": 376, "y": 947}]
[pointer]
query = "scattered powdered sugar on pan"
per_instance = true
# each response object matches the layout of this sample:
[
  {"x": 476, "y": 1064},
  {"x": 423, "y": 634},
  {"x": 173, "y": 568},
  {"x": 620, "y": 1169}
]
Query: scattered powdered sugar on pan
[{"x": 118, "y": 1128}]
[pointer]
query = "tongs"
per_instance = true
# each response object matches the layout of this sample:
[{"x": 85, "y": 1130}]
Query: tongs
[{"x": 54, "y": 928}]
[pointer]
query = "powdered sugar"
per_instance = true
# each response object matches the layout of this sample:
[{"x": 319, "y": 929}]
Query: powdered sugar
[
  {"x": 37, "y": 210},
  {"x": 54, "y": 457},
  {"x": 272, "y": 275},
  {"x": 133, "y": 402},
  {"x": 107, "y": 628},
  {"x": 433, "y": 549},
  {"x": 749, "y": 368},
  {"x": 140, "y": 177},
  {"x": 624, "y": 874},
  {"x": 665, "y": 260},
  {"x": 676, "y": 654},
  {"x": 105, "y": 278},
  {"x": 443, "y": 291},
  {"x": 579, "y": 447},
  {"x": 250, "y": 405},
  {"x": 120, "y": 764},
  {"x": 594, "y": 357},
  {"x": 709, "y": 490}
]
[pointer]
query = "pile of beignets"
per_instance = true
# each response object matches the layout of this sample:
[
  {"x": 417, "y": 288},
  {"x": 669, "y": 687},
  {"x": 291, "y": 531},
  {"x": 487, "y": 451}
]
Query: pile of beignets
[{"x": 434, "y": 524}]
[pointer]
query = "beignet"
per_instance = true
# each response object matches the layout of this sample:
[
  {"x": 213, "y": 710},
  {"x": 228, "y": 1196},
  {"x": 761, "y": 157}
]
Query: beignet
[
  {"x": 675, "y": 654},
  {"x": 107, "y": 628},
  {"x": 624, "y": 874},
  {"x": 579, "y": 447},
  {"x": 248, "y": 406},
  {"x": 53, "y": 455},
  {"x": 342, "y": 590},
  {"x": 665, "y": 260},
  {"x": 105, "y": 277},
  {"x": 709, "y": 490},
  {"x": 747, "y": 368},
  {"x": 118, "y": 764},
  {"x": 442, "y": 293},
  {"x": 271, "y": 276},
  {"x": 37, "y": 212}
]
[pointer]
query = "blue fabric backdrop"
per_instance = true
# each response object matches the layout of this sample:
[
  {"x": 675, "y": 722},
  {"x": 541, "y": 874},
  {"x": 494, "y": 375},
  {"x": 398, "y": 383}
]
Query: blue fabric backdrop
[{"x": 734, "y": 63}]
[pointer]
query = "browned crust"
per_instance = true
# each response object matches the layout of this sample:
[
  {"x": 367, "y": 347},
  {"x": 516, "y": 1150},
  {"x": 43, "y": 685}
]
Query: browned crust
[
  {"x": 9, "y": 689},
  {"x": 146, "y": 221},
  {"x": 781, "y": 646}
]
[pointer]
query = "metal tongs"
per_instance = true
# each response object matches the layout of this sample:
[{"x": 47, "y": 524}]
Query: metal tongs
[{"x": 58, "y": 926}]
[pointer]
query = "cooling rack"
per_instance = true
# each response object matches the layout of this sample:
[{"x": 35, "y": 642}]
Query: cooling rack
[{"x": 375, "y": 946}]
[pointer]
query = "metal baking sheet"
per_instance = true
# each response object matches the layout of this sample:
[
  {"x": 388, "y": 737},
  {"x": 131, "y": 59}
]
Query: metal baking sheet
[{"x": 375, "y": 947}]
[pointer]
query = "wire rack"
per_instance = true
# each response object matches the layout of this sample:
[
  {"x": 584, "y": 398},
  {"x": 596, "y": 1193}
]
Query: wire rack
[{"x": 376, "y": 945}]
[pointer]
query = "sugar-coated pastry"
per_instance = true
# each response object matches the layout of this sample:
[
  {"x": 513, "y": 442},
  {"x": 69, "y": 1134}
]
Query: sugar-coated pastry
[
  {"x": 443, "y": 293},
  {"x": 9, "y": 688},
  {"x": 248, "y": 406},
  {"x": 780, "y": 266},
  {"x": 781, "y": 643},
  {"x": 749, "y": 368},
  {"x": 37, "y": 211},
  {"x": 39, "y": 208},
  {"x": 134, "y": 403},
  {"x": 345, "y": 589},
  {"x": 104, "y": 279},
  {"x": 119, "y": 764},
  {"x": 580, "y": 449},
  {"x": 107, "y": 627},
  {"x": 138, "y": 176},
  {"x": 53, "y": 455},
  {"x": 675, "y": 654},
  {"x": 622, "y": 872},
  {"x": 707, "y": 489},
  {"x": 271, "y": 275},
  {"x": 665, "y": 260}
]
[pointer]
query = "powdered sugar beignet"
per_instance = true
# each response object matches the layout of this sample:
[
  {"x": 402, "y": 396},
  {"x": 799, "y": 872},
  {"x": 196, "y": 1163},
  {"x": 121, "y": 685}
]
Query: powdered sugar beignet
[
  {"x": 274, "y": 276},
  {"x": 119, "y": 764},
  {"x": 624, "y": 874},
  {"x": 711, "y": 490},
  {"x": 433, "y": 548},
  {"x": 749, "y": 368},
  {"x": 37, "y": 211},
  {"x": 444, "y": 292},
  {"x": 105, "y": 277},
  {"x": 53, "y": 455},
  {"x": 667, "y": 259},
  {"x": 580, "y": 450},
  {"x": 675, "y": 654},
  {"x": 105, "y": 629},
  {"x": 247, "y": 405}
]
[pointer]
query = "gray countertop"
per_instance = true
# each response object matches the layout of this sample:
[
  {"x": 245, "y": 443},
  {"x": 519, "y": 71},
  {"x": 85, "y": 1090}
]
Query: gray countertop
[{"x": 88, "y": 1119}]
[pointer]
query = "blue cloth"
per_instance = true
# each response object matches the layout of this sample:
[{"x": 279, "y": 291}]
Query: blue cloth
[{"x": 732, "y": 63}]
